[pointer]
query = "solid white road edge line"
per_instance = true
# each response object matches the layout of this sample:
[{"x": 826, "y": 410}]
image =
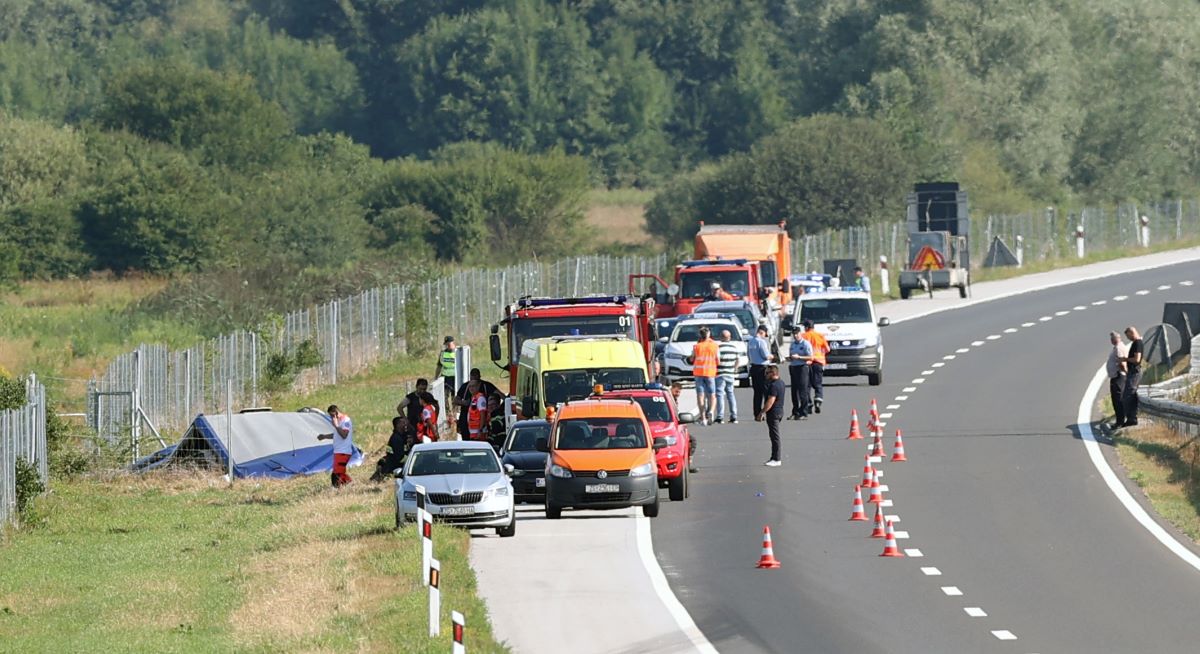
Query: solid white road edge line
[
  {"x": 659, "y": 580},
  {"x": 1084, "y": 423}
]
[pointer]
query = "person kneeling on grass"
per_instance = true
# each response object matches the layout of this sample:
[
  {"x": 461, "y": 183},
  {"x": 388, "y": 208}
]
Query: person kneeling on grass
[{"x": 396, "y": 450}]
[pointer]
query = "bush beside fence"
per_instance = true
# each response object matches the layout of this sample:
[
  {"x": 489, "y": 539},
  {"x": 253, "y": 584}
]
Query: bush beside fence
[{"x": 22, "y": 444}]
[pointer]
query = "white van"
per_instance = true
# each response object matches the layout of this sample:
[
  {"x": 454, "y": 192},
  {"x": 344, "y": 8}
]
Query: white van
[{"x": 846, "y": 318}]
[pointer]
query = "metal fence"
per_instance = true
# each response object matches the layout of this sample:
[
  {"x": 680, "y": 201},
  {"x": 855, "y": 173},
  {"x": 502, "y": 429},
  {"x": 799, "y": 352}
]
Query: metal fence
[
  {"x": 22, "y": 436},
  {"x": 1043, "y": 235},
  {"x": 154, "y": 390}
]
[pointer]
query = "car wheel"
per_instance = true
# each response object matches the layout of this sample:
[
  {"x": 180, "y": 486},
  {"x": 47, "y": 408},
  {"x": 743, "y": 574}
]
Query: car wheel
[
  {"x": 650, "y": 510},
  {"x": 553, "y": 512},
  {"x": 509, "y": 531},
  {"x": 677, "y": 487},
  {"x": 875, "y": 378}
]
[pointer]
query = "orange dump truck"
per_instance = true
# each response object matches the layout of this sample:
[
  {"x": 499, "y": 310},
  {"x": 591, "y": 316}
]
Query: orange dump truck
[{"x": 767, "y": 244}]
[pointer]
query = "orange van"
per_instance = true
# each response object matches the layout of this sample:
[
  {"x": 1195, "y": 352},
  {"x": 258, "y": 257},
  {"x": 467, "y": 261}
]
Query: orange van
[{"x": 601, "y": 456}]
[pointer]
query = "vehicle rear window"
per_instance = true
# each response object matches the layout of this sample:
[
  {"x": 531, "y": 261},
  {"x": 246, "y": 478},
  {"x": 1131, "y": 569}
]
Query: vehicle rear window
[
  {"x": 454, "y": 462},
  {"x": 655, "y": 408},
  {"x": 836, "y": 310},
  {"x": 524, "y": 439},
  {"x": 691, "y": 333},
  {"x": 699, "y": 284},
  {"x": 600, "y": 434}
]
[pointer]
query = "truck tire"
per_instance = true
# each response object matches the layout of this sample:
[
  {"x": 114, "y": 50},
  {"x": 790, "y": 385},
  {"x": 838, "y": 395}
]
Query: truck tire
[
  {"x": 650, "y": 510},
  {"x": 904, "y": 292},
  {"x": 875, "y": 378},
  {"x": 677, "y": 487}
]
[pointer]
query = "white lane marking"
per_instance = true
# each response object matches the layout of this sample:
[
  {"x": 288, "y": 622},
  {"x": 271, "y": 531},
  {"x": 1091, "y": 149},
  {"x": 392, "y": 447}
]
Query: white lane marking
[
  {"x": 1186, "y": 282},
  {"x": 1142, "y": 292},
  {"x": 1083, "y": 419},
  {"x": 900, "y": 535},
  {"x": 1004, "y": 634},
  {"x": 949, "y": 357},
  {"x": 893, "y": 518},
  {"x": 1011, "y": 330},
  {"x": 1078, "y": 307},
  {"x": 977, "y": 343},
  {"x": 927, "y": 372},
  {"x": 892, "y": 406},
  {"x": 1164, "y": 287},
  {"x": 914, "y": 552},
  {"x": 883, "y": 488},
  {"x": 908, "y": 389},
  {"x": 1046, "y": 318},
  {"x": 661, "y": 588},
  {"x": 1028, "y": 324},
  {"x": 881, "y": 423},
  {"x": 975, "y": 612},
  {"x": 874, "y": 459},
  {"x": 994, "y": 337},
  {"x": 931, "y": 572},
  {"x": 939, "y": 364},
  {"x": 885, "y": 504},
  {"x": 1061, "y": 313},
  {"x": 899, "y": 398},
  {"x": 919, "y": 380},
  {"x": 962, "y": 350},
  {"x": 952, "y": 591},
  {"x": 1099, "y": 303},
  {"x": 1120, "y": 298},
  {"x": 885, "y": 415}
]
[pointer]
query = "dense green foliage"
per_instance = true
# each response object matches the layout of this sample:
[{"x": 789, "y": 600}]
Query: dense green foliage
[{"x": 269, "y": 135}]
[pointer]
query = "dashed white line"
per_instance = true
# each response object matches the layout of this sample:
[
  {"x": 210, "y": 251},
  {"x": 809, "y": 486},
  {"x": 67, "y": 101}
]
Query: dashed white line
[
  {"x": 919, "y": 380},
  {"x": 1186, "y": 282},
  {"x": 883, "y": 488},
  {"x": 926, "y": 372},
  {"x": 962, "y": 350},
  {"x": 886, "y": 503},
  {"x": 1099, "y": 303},
  {"x": 900, "y": 535},
  {"x": 952, "y": 591},
  {"x": 1046, "y": 318},
  {"x": 975, "y": 612},
  {"x": 950, "y": 357},
  {"x": 976, "y": 343},
  {"x": 1120, "y": 298},
  {"x": 1061, "y": 313},
  {"x": 885, "y": 415},
  {"x": 939, "y": 364},
  {"x": 899, "y": 398},
  {"x": 1142, "y": 292},
  {"x": 1004, "y": 634},
  {"x": 893, "y": 518},
  {"x": 1078, "y": 307},
  {"x": 893, "y": 406},
  {"x": 994, "y": 337},
  {"x": 1028, "y": 324},
  {"x": 913, "y": 552},
  {"x": 908, "y": 389},
  {"x": 1164, "y": 287},
  {"x": 931, "y": 572},
  {"x": 874, "y": 459},
  {"x": 1011, "y": 330}
]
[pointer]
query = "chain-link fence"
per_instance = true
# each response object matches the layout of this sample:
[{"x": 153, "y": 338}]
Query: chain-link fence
[
  {"x": 22, "y": 437},
  {"x": 153, "y": 389},
  {"x": 1043, "y": 235}
]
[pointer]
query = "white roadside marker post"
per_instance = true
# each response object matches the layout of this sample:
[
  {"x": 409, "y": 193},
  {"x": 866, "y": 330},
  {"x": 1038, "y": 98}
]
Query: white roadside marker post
[
  {"x": 1144, "y": 231},
  {"x": 426, "y": 545},
  {"x": 459, "y": 626},
  {"x": 435, "y": 598},
  {"x": 1079, "y": 241},
  {"x": 884, "y": 281}
]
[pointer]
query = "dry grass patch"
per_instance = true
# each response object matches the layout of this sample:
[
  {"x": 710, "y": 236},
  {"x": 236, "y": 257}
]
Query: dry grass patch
[
  {"x": 618, "y": 224},
  {"x": 1166, "y": 466}
]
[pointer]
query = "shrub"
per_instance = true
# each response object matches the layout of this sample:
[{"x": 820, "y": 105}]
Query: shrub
[{"x": 29, "y": 485}]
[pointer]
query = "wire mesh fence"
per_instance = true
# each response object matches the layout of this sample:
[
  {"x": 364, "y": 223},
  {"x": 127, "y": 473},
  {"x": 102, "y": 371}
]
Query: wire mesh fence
[{"x": 22, "y": 437}]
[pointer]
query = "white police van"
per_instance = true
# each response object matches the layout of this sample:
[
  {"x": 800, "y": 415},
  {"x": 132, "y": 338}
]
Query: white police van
[{"x": 846, "y": 318}]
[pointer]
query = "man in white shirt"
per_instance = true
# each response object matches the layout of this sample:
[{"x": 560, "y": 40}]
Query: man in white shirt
[
  {"x": 1116, "y": 368},
  {"x": 343, "y": 445}
]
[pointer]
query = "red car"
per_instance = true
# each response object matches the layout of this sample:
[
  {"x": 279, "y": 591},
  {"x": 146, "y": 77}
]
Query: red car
[{"x": 665, "y": 422}]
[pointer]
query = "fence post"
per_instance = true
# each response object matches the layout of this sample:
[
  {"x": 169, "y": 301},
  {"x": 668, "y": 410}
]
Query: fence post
[
  {"x": 135, "y": 403},
  {"x": 333, "y": 331}
]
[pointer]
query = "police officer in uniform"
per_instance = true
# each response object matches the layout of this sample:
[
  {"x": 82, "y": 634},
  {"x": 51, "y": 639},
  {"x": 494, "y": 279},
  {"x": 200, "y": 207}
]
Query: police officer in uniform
[{"x": 445, "y": 365}]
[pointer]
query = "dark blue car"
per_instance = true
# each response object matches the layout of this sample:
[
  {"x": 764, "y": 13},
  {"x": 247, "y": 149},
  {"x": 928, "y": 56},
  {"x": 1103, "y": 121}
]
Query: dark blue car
[{"x": 529, "y": 465}]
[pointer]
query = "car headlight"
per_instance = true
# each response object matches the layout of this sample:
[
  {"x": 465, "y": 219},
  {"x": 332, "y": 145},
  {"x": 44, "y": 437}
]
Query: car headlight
[
  {"x": 642, "y": 470},
  {"x": 499, "y": 491},
  {"x": 560, "y": 472},
  {"x": 871, "y": 341},
  {"x": 410, "y": 496}
]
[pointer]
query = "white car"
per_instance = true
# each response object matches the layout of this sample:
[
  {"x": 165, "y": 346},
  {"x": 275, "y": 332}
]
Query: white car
[
  {"x": 687, "y": 333},
  {"x": 847, "y": 321},
  {"x": 465, "y": 485}
]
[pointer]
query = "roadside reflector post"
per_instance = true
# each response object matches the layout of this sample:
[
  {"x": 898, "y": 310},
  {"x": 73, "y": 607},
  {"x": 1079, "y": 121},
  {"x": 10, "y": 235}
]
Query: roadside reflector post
[
  {"x": 435, "y": 598},
  {"x": 1020, "y": 250},
  {"x": 1079, "y": 241},
  {"x": 1144, "y": 230},
  {"x": 459, "y": 626},
  {"x": 426, "y": 545},
  {"x": 884, "y": 281}
]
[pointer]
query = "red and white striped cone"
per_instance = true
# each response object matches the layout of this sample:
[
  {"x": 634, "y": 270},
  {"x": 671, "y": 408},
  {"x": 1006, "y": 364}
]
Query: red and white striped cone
[
  {"x": 877, "y": 445},
  {"x": 868, "y": 472},
  {"x": 855, "y": 434},
  {"x": 874, "y": 410},
  {"x": 856, "y": 510},
  {"x": 889, "y": 545},
  {"x": 767, "y": 560},
  {"x": 879, "y": 531},
  {"x": 876, "y": 490},
  {"x": 898, "y": 449}
]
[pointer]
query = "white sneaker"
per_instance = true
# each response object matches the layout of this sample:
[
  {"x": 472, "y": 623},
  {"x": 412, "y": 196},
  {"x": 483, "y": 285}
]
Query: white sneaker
[{"x": 773, "y": 463}]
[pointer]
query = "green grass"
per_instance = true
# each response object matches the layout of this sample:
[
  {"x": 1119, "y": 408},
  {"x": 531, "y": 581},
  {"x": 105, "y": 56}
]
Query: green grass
[
  {"x": 618, "y": 197},
  {"x": 1164, "y": 465}
]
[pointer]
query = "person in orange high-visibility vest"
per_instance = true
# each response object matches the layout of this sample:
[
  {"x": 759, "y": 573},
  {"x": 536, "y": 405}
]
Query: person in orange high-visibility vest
[
  {"x": 477, "y": 414},
  {"x": 719, "y": 293},
  {"x": 427, "y": 429},
  {"x": 816, "y": 371},
  {"x": 704, "y": 372}
]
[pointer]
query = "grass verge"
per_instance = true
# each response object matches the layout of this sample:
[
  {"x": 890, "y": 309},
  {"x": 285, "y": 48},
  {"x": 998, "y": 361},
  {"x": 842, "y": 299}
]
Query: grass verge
[{"x": 1166, "y": 466}]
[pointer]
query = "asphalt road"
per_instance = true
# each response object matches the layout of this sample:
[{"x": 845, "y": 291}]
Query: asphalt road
[{"x": 1010, "y": 517}]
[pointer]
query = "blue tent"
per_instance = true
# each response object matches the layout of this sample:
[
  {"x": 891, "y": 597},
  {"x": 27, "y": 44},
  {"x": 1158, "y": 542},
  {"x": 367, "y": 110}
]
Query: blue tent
[{"x": 264, "y": 443}]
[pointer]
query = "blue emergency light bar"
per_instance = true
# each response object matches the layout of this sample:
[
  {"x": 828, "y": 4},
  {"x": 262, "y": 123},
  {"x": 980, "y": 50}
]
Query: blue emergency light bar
[
  {"x": 527, "y": 302},
  {"x": 715, "y": 262},
  {"x": 652, "y": 386}
]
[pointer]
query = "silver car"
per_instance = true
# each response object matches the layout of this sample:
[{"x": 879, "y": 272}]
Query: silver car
[
  {"x": 749, "y": 315},
  {"x": 465, "y": 485},
  {"x": 683, "y": 340}
]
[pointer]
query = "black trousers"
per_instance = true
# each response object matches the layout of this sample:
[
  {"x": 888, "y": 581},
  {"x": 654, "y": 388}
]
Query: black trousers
[
  {"x": 773, "y": 433},
  {"x": 758, "y": 381},
  {"x": 1129, "y": 396},
  {"x": 799, "y": 385},
  {"x": 1116, "y": 387},
  {"x": 816, "y": 379}
]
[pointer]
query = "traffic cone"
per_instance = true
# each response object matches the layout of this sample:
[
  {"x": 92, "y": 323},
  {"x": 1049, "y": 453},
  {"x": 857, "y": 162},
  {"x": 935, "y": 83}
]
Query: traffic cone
[
  {"x": 767, "y": 560},
  {"x": 868, "y": 472},
  {"x": 877, "y": 446},
  {"x": 889, "y": 545},
  {"x": 876, "y": 491},
  {"x": 879, "y": 531},
  {"x": 874, "y": 410},
  {"x": 898, "y": 449},
  {"x": 855, "y": 435},
  {"x": 856, "y": 510}
]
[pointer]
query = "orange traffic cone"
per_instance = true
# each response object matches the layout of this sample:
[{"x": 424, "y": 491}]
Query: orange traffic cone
[
  {"x": 898, "y": 449},
  {"x": 856, "y": 510},
  {"x": 889, "y": 545},
  {"x": 879, "y": 532},
  {"x": 877, "y": 445},
  {"x": 876, "y": 491},
  {"x": 874, "y": 409},
  {"x": 767, "y": 560},
  {"x": 855, "y": 435},
  {"x": 868, "y": 472},
  {"x": 875, "y": 475}
]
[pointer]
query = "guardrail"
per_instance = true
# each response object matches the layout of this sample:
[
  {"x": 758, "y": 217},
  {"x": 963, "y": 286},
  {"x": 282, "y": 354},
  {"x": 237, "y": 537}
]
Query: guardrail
[{"x": 22, "y": 437}]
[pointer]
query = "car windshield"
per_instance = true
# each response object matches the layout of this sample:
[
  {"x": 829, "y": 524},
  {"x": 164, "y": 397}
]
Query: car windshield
[
  {"x": 524, "y": 439},
  {"x": 600, "y": 434},
  {"x": 543, "y": 327},
  {"x": 823, "y": 310},
  {"x": 566, "y": 385},
  {"x": 744, "y": 315},
  {"x": 698, "y": 284},
  {"x": 691, "y": 332},
  {"x": 454, "y": 462},
  {"x": 655, "y": 407}
]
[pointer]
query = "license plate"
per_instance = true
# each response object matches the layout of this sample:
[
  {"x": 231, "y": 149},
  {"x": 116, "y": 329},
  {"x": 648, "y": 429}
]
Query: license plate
[
  {"x": 601, "y": 488},
  {"x": 835, "y": 366},
  {"x": 458, "y": 510},
  {"x": 540, "y": 482}
]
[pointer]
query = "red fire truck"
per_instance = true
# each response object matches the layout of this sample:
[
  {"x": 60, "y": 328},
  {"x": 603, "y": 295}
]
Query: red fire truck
[{"x": 536, "y": 317}]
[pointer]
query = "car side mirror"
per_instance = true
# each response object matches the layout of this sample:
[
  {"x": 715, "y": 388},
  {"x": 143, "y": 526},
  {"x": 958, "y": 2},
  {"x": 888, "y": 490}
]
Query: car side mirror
[
  {"x": 660, "y": 443},
  {"x": 509, "y": 469},
  {"x": 884, "y": 322},
  {"x": 529, "y": 407},
  {"x": 664, "y": 339},
  {"x": 673, "y": 290},
  {"x": 398, "y": 473},
  {"x": 687, "y": 418},
  {"x": 494, "y": 346},
  {"x": 541, "y": 445}
]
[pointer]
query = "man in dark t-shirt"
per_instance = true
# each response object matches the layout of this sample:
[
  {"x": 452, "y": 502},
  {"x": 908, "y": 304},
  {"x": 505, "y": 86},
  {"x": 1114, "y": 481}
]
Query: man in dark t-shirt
[
  {"x": 1133, "y": 375},
  {"x": 773, "y": 412},
  {"x": 410, "y": 407}
]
